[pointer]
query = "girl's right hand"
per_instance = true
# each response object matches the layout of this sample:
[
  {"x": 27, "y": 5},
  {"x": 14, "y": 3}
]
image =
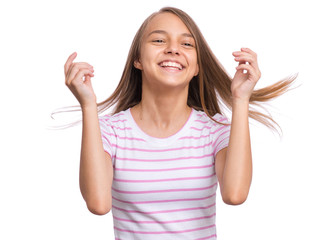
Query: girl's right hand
[{"x": 81, "y": 88}]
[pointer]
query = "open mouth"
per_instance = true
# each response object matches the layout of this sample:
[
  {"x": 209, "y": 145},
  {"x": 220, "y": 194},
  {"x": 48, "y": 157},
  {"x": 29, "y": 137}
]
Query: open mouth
[{"x": 171, "y": 65}]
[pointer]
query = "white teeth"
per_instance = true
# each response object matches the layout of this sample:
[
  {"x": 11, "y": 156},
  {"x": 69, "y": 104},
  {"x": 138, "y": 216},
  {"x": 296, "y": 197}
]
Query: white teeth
[{"x": 171, "y": 64}]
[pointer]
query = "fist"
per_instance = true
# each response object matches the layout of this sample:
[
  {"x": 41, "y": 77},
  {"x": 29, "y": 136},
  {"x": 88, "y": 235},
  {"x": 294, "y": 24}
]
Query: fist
[
  {"x": 78, "y": 79},
  {"x": 247, "y": 74}
]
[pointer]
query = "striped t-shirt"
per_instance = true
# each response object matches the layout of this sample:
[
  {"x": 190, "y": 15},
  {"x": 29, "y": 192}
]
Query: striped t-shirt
[{"x": 164, "y": 188}]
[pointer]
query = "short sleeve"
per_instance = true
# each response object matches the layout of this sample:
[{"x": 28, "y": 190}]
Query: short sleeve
[
  {"x": 220, "y": 133},
  {"x": 108, "y": 136}
]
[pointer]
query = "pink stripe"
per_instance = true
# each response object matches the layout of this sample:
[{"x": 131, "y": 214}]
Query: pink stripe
[
  {"x": 120, "y": 120},
  {"x": 201, "y": 121},
  {"x": 107, "y": 118},
  {"x": 118, "y": 114},
  {"x": 164, "y": 211},
  {"x": 162, "y": 150},
  {"x": 163, "y": 160},
  {"x": 161, "y": 170},
  {"x": 162, "y": 201},
  {"x": 117, "y": 136},
  {"x": 163, "y": 232},
  {"x": 219, "y": 145},
  {"x": 222, "y": 119},
  {"x": 165, "y": 222},
  {"x": 212, "y": 236},
  {"x": 127, "y": 138},
  {"x": 163, "y": 180},
  {"x": 201, "y": 115},
  {"x": 200, "y": 129},
  {"x": 126, "y": 128},
  {"x": 214, "y": 144},
  {"x": 108, "y": 141},
  {"x": 192, "y": 137},
  {"x": 218, "y": 129},
  {"x": 162, "y": 191}
]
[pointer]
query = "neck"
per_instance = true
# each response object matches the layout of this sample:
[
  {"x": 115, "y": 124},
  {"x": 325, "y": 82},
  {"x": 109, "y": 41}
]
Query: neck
[{"x": 164, "y": 110}]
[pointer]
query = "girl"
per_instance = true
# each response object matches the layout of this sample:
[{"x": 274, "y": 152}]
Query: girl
[{"x": 157, "y": 158}]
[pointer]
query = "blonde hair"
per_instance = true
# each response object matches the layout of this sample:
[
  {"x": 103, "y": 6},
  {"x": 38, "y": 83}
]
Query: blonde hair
[{"x": 206, "y": 90}]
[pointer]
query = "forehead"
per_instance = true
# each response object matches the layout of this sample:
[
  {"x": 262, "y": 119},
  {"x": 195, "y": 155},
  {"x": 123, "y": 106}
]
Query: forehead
[{"x": 168, "y": 22}]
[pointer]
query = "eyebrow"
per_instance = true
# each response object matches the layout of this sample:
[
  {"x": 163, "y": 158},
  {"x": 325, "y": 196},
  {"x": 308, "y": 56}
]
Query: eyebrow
[{"x": 164, "y": 32}]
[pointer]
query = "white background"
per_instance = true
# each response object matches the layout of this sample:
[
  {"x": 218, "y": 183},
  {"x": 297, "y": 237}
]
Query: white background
[{"x": 293, "y": 192}]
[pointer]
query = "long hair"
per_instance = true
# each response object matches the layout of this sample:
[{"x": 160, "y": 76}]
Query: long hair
[{"x": 207, "y": 90}]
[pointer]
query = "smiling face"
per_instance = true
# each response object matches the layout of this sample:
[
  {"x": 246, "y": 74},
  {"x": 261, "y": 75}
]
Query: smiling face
[{"x": 168, "y": 55}]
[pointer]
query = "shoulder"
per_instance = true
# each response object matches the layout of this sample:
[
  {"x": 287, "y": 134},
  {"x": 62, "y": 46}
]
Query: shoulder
[
  {"x": 204, "y": 119},
  {"x": 216, "y": 128},
  {"x": 113, "y": 117},
  {"x": 116, "y": 120}
]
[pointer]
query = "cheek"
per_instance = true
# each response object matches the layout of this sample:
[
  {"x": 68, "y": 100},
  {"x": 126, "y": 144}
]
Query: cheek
[
  {"x": 193, "y": 57},
  {"x": 194, "y": 63},
  {"x": 197, "y": 70},
  {"x": 149, "y": 57}
]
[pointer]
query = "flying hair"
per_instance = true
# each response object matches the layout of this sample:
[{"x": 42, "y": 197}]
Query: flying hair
[{"x": 207, "y": 91}]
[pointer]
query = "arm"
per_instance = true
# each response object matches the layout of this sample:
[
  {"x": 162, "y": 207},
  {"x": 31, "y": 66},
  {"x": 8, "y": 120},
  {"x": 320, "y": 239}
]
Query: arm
[
  {"x": 234, "y": 163},
  {"x": 96, "y": 172}
]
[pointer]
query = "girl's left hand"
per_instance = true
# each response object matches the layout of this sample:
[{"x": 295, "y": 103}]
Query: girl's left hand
[{"x": 243, "y": 83}]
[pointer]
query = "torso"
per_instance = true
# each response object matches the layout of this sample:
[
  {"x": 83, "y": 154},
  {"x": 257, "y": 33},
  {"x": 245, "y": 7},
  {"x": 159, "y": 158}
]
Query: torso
[{"x": 164, "y": 188}]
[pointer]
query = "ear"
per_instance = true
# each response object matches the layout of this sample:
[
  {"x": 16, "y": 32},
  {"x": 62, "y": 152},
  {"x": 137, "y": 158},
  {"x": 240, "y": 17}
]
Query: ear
[{"x": 137, "y": 64}]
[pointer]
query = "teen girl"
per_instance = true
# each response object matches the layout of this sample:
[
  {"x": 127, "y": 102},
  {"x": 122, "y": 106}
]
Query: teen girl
[{"x": 156, "y": 160}]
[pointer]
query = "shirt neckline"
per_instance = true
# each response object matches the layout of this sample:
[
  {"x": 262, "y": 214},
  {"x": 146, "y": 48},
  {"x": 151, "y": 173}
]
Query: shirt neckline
[{"x": 160, "y": 141}]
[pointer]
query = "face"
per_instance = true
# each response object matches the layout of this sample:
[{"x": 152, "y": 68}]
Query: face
[{"x": 168, "y": 55}]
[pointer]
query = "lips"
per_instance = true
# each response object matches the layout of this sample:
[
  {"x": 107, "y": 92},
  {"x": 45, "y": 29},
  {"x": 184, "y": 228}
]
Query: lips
[{"x": 171, "y": 64}]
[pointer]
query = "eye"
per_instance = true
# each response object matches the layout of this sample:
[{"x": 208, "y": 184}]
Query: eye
[
  {"x": 188, "y": 44},
  {"x": 158, "y": 41}
]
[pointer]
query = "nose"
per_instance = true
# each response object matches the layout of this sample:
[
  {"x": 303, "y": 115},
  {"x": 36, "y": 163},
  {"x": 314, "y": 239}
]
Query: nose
[{"x": 172, "y": 48}]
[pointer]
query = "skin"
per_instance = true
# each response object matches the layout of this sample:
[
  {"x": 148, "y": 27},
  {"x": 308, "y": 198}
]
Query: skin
[
  {"x": 234, "y": 163},
  {"x": 163, "y": 110},
  {"x": 96, "y": 171}
]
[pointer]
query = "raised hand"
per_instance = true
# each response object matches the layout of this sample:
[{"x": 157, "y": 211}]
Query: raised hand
[
  {"x": 78, "y": 79},
  {"x": 243, "y": 83}
]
